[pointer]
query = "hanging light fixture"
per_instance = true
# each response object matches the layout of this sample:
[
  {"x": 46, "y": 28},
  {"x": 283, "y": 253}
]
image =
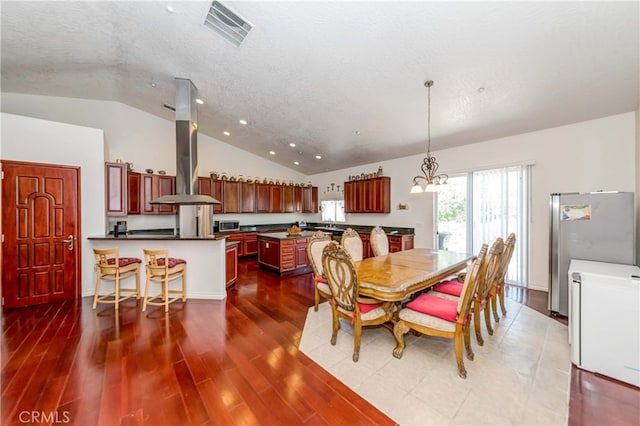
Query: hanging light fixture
[{"x": 433, "y": 182}]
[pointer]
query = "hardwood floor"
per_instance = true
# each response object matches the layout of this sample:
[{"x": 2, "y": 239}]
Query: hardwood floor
[{"x": 206, "y": 362}]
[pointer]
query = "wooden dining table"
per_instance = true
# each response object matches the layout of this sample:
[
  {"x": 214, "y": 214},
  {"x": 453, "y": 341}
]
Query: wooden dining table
[{"x": 397, "y": 275}]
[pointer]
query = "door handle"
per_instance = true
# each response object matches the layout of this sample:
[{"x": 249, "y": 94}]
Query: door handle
[{"x": 69, "y": 242}]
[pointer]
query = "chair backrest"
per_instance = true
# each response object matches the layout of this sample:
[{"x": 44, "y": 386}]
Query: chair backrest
[
  {"x": 379, "y": 242},
  {"x": 489, "y": 271},
  {"x": 352, "y": 242},
  {"x": 151, "y": 260},
  {"x": 507, "y": 253},
  {"x": 340, "y": 273},
  {"x": 103, "y": 256},
  {"x": 315, "y": 245},
  {"x": 471, "y": 281}
]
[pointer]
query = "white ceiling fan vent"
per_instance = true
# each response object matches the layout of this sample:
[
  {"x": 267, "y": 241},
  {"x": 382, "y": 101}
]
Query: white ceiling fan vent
[{"x": 227, "y": 23}]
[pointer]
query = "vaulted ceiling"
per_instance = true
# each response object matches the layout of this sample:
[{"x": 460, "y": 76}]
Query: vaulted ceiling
[{"x": 341, "y": 80}]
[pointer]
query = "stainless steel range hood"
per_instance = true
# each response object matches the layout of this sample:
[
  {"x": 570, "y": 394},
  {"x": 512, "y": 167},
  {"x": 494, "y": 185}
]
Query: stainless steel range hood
[{"x": 189, "y": 219}]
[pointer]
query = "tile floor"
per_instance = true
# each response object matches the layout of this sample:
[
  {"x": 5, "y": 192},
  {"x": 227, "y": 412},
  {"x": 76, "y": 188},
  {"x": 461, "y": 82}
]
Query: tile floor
[{"x": 520, "y": 376}]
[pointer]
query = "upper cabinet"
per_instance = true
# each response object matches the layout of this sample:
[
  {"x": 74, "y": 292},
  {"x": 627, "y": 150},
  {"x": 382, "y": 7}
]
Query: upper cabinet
[
  {"x": 133, "y": 192},
  {"x": 116, "y": 190},
  {"x": 368, "y": 195},
  {"x": 310, "y": 199},
  {"x": 212, "y": 188},
  {"x": 154, "y": 186}
]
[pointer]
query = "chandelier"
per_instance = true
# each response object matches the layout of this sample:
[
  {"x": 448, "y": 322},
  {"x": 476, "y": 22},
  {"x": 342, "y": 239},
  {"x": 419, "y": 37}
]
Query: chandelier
[{"x": 433, "y": 182}]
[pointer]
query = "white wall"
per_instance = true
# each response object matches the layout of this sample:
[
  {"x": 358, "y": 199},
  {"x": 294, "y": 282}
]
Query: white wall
[
  {"x": 638, "y": 185},
  {"x": 41, "y": 141},
  {"x": 587, "y": 156}
]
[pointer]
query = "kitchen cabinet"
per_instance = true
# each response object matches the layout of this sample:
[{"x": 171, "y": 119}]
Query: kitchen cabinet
[
  {"x": 154, "y": 186},
  {"x": 288, "y": 202},
  {"x": 247, "y": 197},
  {"x": 230, "y": 196},
  {"x": 283, "y": 253},
  {"x": 297, "y": 199},
  {"x": 368, "y": 195},
  {"x": 275, "y": 198},
  {"x": 250, "y": 243},
  {"x": 231, "y": 268},
  {"x": 116, "y": 189},
  {"x": 310, "y": 199},
  {"x": 212, "y": 188},
  {"x": 134, "y": 180},
  {"x": 400, "y": 242},
  {"x": 239, "y": 238},
  {"x": 263, "y": 202},
  {"x": 366, "y": 245}
]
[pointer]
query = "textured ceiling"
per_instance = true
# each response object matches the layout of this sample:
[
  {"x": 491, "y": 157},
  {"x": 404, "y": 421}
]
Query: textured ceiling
[{"x": 343, "y": 80}]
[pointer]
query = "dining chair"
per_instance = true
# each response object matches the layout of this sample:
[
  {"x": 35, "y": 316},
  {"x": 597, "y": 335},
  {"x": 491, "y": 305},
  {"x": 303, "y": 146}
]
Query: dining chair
[
  {"x": 315, "y": 245},
  {"x": 163, "y": 269},
  {"x": 481, "y": 301},
  {"x": 436, "y": 316},
  {"x": 111, "y": 267},
  {"x": 340, "y": 272},
  {"x": 379, "y": 242},
  {"x": 352, "y": 242},
  {"x": 498, "y": 288}
]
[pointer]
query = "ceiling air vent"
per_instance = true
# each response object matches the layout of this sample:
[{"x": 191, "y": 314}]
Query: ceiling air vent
[{"x": 227, "y": 23}]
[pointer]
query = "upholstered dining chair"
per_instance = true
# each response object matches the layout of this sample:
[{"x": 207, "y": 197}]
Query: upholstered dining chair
[
  {"x": 340, "y": 272},
  {"x": 352, "y": 243},
  {"x": 436, "y": 316},
  {"x": 481, "y": 301},
  {"x": 315, "y": 245},
  {"x": 498, "y": 288},
  {"x": 379, "y": 242},
  {"x": 111, "y": 267},
  {"x": 163, "y": 269}
]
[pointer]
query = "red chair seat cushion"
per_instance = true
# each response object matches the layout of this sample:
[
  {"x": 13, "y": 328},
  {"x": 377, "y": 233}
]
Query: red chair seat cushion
[
  {"x": 435, "y": 306},
  {"x": 172, "y": 261},
  {"x": 321, "y": 280},
  {"x": 453, "y": 288},
  {"x": 365, "y": 307},
  {"x": 123, "y": 261}
]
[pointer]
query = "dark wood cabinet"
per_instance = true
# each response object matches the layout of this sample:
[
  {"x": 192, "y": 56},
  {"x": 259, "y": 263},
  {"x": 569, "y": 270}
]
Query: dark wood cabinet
[
  {"x": 297, "y": 199},
  {"x": 250, "y": 243},
  {"x": 116, "y": 189},
  {"x": 269, "y": 253},
  {"x": 400, "y": 242},
  {"x": 239, "y": 237},
  {"x": 366, "y": 245},
  {"x": 310, "y": 199},
  {"x": 231, "y": 196},
  {"x": 212, "y": 188},
  {"x": 288, "y": 202},
  {"x": 247, "y": 197},
  {"x": 284, "y": 255},
  {"x": 301, "y": 253},
  {"x": 154, "y": 186},
  {"x": 368, "y": 195},
  {"x": 231, "y": 268},
  {"x": 275, "y": 198},
  {"x": 263, "y": 202},
  {"x": 133, "y": 192}
]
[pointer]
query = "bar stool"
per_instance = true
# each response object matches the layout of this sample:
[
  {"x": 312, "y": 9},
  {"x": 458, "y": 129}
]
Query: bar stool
[
  {"x": 111, "y": 267},
  {"x": 163, "y": 269}
]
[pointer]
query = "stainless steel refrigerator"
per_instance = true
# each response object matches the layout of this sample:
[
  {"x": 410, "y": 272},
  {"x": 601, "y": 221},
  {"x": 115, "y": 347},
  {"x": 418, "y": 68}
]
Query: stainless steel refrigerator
[{"x": 598, "y": 226}]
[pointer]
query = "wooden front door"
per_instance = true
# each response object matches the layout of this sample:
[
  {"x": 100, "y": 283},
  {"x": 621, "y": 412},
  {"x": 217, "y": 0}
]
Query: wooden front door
[{"x": 41, "y": 230}]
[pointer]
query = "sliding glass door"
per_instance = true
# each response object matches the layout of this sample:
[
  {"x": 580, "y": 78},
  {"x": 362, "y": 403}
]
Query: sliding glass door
[{"x": 482, "y": 205}]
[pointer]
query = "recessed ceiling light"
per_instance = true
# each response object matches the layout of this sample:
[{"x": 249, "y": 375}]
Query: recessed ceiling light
[
  {"x": 480, "y": 89},
  {"x": 272, "y": 152},
  {"x": 243, "y": 122},
  {"x": 170, "y": 9},
  {"x": 358, "y": 132},
  {"x": 227, "y": 133},
  {"x": 152, "y": 84},
  {"x": 297, "y": 163},
  {"x": 199, "y": 101},
  {"x": 318, "y": 157},
  {"x": 292, "y": 145}
]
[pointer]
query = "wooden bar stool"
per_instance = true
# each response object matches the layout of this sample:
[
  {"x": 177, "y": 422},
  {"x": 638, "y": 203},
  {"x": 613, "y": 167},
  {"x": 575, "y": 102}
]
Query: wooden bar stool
[
  {"x": 111, "y": 267},
  {"x": 163, "y": 269}
]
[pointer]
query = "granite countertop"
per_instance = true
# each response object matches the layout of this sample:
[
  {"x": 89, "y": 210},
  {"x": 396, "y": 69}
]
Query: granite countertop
[
  {"x": 142, "y": 237},
  {"x": 285, "y": 235}
]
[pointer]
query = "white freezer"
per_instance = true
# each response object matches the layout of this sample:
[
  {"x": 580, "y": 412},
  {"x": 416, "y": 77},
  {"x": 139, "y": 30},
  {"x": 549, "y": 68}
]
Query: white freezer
[{"x": 604, "y": 319}]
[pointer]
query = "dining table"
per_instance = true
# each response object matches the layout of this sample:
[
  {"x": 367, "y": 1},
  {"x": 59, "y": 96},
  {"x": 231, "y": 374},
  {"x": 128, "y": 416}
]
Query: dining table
[{"x": 395, "y": 276}]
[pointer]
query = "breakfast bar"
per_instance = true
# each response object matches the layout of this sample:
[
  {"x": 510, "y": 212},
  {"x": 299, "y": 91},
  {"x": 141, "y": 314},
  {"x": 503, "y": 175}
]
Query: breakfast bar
[
  {"x": 205, "y": 258},
  {"x": 284, "y": 252}
]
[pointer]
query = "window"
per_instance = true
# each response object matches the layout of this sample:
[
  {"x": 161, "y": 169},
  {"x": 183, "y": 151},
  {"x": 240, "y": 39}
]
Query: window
[
  {"x": 332, "y": 211},
  {"x": 482, "y": 205}
]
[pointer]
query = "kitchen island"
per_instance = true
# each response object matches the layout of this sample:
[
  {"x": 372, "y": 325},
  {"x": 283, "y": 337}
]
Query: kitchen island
[
  {"x": 205, "y": 256},
  {"x": 283, "y": 252}
]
